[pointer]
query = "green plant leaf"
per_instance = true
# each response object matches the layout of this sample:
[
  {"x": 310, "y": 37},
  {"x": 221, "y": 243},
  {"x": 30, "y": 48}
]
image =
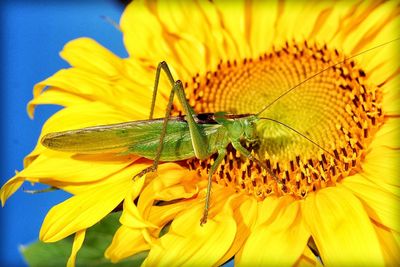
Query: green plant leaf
[{"x": 97, "y": 239}]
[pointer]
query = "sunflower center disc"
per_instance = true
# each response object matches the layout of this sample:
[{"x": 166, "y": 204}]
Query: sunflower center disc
[{"x": 337, "y": 110}]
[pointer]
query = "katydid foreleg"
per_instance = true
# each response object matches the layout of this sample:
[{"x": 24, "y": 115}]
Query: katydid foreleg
[
  {"x": 217, "y": 162},
  {"x": 247, "y": 154}
]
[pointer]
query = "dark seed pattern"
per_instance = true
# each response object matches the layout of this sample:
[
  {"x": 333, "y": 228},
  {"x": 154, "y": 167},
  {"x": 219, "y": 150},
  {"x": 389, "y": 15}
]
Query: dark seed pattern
[{"x": 339, "y": 109}]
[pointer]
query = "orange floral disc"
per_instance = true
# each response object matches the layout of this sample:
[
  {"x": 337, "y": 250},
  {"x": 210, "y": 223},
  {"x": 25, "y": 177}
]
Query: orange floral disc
[{"x": 336, "y": 110}]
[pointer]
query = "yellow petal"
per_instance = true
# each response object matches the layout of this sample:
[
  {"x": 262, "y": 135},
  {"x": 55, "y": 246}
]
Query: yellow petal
[
  {"x": 162, "y": 215},
  {"x": 371, "y": 31},
  {"x": 96, "y": 113},
  {"x": 87, "y": 54},
  {"x": 10, "y": 187},
  {"x": 188, "y": 243},
  {"x": 308, "y": 259},
  {"x": 245, "y": 216},
  {"x": 55, "y": 97},
  {"x": 76, "y": 246},
  {"x": 126, "y": 242},
  {"x": 388, "y": 135},
  {"x": 168, "y": 175},
  {"x": 287, "y": 237},
  {"x": 142, "y": 22},
  {"x": 138, "y": 25},
  {"x": 358, "y": 23},
  {"x": 94, "y": 88},
  {"x": 291, "y": 23},
  {"x": 190, "y": 46},
  {"x": 390, "y": 245},
  {"x": 79, "y": 82},
  {"x": 186, "y": 189},
  {"x": 64, "y": 167},
  {"x": 381, "y": 167},
  {"x": 78, "y": 188},
  {"x": 381, "y": 206},
  {"x": 236, "y": 19},
  {"x": 131, "y": 216},
  {"x": 83, "y": 210},
  {"x": 263, "y": 15},
  {"x": 391, "y": 99},
  {"x": 144, "y": 87},
  {"x": 380, "y": 164},
  {"x": 268, "y": 208},
  {"x": 341, "y": 228}
]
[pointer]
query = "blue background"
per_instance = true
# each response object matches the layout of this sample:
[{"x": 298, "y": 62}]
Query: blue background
[{"x": 32, "y": 34}]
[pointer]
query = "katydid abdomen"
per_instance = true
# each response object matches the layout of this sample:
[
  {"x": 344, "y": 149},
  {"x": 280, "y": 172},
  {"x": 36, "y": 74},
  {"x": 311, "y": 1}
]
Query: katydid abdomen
[{"x": 140, "y": 138}]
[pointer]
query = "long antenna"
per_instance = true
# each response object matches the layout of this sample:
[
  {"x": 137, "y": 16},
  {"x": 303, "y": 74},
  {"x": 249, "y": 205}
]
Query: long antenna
[
  {"x": 294, "y": 130},
  {"x": 323, "y": 70}
]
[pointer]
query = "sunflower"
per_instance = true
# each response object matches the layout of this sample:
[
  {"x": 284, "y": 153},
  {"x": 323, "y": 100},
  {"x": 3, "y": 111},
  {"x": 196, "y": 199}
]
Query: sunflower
[{"x": 332, "y": 140}]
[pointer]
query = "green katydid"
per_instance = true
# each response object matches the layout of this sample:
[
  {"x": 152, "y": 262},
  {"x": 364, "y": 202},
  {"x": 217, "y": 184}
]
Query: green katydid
[
  {"x": 176, "y": 138},
  {"x": 167, "y": 139}
]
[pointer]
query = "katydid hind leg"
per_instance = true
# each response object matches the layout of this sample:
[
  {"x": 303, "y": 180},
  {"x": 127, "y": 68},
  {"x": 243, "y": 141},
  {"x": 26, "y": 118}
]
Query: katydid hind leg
[
  {"x": 153, "y": 99},
  {"x": 217, "y": 162},
  {"x": 161, "y": 66},
  {"x": 164, "y": 130},
  {"x": 198, "y": 139}
]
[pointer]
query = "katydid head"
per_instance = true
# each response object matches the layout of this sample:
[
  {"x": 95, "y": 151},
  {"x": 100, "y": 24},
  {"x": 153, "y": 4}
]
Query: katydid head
[{"x": 249, "y": 128}]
